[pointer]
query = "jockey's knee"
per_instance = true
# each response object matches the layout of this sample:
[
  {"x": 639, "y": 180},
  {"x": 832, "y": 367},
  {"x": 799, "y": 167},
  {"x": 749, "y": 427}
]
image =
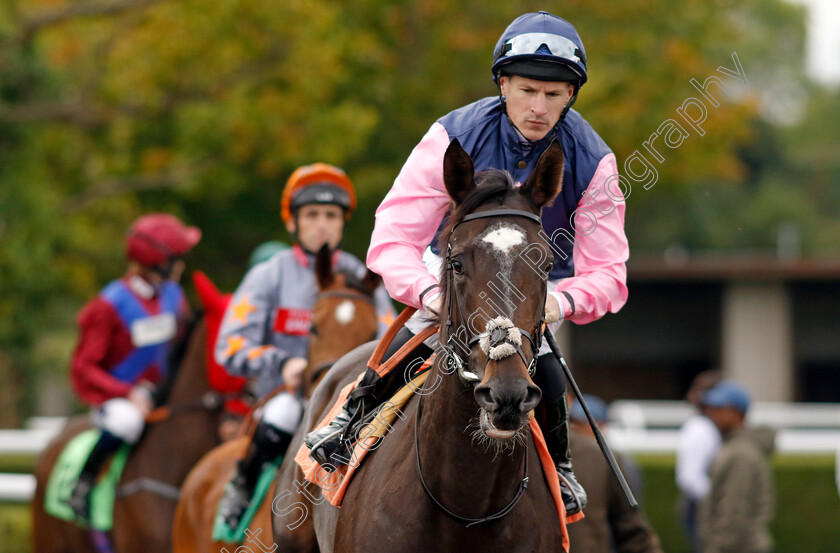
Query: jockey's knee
[
  {"x": 121, "y": 418},
  {"x": 549, "y": 376},
  {"x": 283, "y": 411}
]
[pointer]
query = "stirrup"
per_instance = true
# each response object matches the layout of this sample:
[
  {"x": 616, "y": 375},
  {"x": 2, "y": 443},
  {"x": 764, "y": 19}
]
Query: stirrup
[
  {"x": 573, "y": 502},
  {"x": 79, "y": 499},
  {"x": 234, "y": 503}
]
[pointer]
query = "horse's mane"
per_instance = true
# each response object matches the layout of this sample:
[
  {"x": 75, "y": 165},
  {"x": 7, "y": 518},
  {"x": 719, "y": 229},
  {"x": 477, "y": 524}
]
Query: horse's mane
[{"x": 174, "y": 360}]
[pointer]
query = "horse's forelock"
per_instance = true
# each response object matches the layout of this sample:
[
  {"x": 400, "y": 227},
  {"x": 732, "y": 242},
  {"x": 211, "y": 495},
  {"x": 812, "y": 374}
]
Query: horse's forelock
[{"x": 490, "y": 184}]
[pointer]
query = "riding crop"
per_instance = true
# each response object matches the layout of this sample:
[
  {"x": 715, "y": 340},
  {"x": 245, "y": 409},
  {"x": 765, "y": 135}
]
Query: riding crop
[{"x": 602, "y": 443}]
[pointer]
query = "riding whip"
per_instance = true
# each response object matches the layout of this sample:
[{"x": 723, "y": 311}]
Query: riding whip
[{"x": 602, "y": 443}]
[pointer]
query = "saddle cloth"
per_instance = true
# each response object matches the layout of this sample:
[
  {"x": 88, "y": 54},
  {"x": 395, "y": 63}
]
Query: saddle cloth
[
  {"x": 221, "y": 530},
  {"x": 334, "y": 485},
  {"x": 65, "y": 473}
]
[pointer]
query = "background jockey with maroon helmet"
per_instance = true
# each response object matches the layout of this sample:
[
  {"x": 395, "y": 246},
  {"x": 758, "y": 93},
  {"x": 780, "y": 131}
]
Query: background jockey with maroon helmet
[
  {"x": 265, "y": 331},
  {"x": 124, "y": 339},
  {"x": 539, "y": 65}
]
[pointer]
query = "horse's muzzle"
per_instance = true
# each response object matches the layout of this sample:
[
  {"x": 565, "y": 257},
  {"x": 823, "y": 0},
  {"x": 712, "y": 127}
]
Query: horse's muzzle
[{"x": 505, "y": 404}]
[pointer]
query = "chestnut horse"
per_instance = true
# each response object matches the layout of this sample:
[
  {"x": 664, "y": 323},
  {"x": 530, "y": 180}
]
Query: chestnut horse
[
  {"x": 468, "y": 477},
  {"x": 331, "y": 335},
  {"x": 162, "y": 458}
]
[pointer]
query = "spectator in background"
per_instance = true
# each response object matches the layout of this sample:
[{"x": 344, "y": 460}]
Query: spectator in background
[
  {"x": 736, "y": 514},
  {"x": 611, "y": 524},
  {"x": 699, "y": 442}
]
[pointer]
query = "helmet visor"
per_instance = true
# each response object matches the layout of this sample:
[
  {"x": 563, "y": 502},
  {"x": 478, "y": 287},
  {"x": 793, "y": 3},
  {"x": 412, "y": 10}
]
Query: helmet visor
[
  {"x": 532, "y": 43},
  {"x": 321, "y": 193}
]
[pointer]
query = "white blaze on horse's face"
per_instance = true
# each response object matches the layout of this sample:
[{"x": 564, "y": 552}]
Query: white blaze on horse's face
[
  {"x": 345, "y": 312},
  {"x": 503, "y": 239}
]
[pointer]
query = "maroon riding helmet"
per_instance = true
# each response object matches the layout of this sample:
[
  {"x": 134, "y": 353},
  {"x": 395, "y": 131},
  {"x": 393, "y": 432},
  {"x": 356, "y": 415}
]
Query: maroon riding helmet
[{"x": 157, "y": 240}]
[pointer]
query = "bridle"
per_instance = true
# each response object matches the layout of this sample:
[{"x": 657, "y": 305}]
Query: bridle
[
  {"x": 323, "y": 367},
  {"x": 496, "y": 336}
]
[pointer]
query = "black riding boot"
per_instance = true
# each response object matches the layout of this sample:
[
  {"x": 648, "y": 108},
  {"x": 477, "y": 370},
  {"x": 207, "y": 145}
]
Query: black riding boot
[
  {"x": 553, "y": 416},
  {"x": 267, "y": 444},
  {"x": 79, "y": 499},
  {"x": 330, "y": 446}
]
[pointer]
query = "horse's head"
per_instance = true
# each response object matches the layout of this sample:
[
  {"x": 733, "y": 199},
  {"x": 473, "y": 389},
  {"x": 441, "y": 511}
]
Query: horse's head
[
  {"x": 344, "y": 316},
  {"x": 494, "y": 279}
]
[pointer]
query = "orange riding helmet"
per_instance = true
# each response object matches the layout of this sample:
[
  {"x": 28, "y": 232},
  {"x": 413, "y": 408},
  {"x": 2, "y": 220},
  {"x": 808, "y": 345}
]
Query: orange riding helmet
[{"x": 318, "y": 183}]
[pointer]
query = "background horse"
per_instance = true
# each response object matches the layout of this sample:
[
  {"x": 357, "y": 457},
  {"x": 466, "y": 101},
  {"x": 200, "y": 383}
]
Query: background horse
[
  {"x": 473, "y": 444},
  {"x": 343, "y": 317},
  {"x": 142, "y": 519}
]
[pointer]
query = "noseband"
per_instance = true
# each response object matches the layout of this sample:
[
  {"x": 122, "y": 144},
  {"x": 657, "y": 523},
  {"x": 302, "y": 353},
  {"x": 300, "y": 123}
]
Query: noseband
[{"x": 501, "y": 335}]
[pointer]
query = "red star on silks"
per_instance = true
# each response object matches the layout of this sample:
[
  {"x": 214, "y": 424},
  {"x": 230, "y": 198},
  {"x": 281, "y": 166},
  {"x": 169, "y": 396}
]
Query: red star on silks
[
  {"x": 234, "y": 344},
  {"x": 241, "y": 310}
]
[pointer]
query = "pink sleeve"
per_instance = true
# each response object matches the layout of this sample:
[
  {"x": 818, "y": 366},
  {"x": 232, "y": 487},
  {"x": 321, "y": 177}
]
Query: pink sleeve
[
  {"x": 599, "y": 284},
  {"x": 407, "y": 219}
]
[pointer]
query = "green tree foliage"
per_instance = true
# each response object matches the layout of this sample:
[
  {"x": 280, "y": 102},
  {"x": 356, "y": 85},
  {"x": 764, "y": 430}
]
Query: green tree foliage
[{"x": 111, "y": 108}]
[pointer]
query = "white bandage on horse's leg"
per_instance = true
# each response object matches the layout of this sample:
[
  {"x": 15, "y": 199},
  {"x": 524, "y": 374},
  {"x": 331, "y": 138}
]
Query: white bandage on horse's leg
[
  {"x": 283, "y": 412},
  {"x": 121, "y": 418}
]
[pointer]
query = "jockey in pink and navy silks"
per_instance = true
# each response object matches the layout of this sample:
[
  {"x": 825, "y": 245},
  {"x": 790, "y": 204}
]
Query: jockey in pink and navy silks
[
  {"x": 589, "y": 269},
  {"x": 265, "y": 331},
  {"x": 539, "y": 66},
  {"x": 124, "y": 339}
]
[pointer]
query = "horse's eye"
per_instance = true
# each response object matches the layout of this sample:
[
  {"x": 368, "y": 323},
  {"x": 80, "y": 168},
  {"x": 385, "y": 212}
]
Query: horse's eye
[
  {"x": 458, "y": 267},
  {"x": 549, "y": 266},
  {"x": 313, "y": 330}
]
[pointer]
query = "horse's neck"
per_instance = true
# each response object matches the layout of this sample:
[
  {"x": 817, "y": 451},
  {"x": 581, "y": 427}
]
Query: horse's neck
[
  {"x": 451, "y": 454},
  {"x": 191, "y": 429}
]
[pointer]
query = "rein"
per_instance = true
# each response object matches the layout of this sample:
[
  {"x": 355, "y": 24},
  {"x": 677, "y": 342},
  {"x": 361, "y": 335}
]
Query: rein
[
  {"x": 209, "y": 400},
  {"x": 346, "y": 295},
  {"x": 469, "y": 521}
]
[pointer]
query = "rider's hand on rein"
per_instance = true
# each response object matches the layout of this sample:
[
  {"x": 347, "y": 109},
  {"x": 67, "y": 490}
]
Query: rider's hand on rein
[{"x": 552, "y": 309}]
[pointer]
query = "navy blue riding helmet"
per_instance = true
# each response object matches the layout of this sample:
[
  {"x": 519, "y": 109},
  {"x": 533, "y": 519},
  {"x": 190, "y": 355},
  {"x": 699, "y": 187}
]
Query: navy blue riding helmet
[{"x": 544, "y": 47}]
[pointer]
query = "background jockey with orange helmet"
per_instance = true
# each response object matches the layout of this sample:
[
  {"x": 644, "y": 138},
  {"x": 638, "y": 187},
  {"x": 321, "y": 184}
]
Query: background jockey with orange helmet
[
  {"x": 539, "y": 65},
  {"x": 265, "y": 331},
  {"x": 124, "y": 339}
]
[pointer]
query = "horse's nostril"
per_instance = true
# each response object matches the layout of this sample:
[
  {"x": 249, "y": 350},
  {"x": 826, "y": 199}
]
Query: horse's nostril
[
  {"x": 531, "y": 399},
  {"x": 484, "y": 397}
]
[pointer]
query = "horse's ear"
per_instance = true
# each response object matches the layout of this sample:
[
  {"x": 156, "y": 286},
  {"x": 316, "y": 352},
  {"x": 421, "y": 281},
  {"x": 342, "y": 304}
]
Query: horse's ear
[
  {"x": 371, "y": 281},
  {"x": 324, "y": 267},
  {"x": 545, "y": 182},
  {"x": 458, "y": 172}
]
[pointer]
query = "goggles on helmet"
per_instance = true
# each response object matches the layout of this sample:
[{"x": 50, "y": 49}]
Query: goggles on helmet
[{"x": 531, "y": 43}]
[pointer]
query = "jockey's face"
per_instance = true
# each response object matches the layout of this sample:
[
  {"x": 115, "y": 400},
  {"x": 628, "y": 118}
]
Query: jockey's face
[
  {"x": 316, "y": 225},
  {"x": 534, "y": 106}
]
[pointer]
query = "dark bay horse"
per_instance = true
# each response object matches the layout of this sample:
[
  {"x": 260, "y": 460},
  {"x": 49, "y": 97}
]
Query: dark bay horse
[
  {"x": 471, "y": 458},
  {"x": 164, "y": 455},
  {"x": 344, "y": 316}
]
